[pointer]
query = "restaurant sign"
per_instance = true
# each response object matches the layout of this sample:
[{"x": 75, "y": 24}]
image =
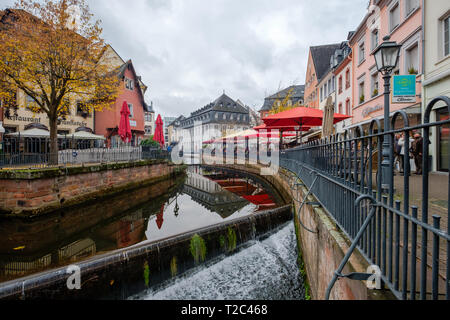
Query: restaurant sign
[
  {"x": 404, "y": 89},
  {"x": 133, "y": 124}
]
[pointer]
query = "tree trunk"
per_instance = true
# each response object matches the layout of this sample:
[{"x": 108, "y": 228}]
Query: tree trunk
[{"x": 53, "y": 158}]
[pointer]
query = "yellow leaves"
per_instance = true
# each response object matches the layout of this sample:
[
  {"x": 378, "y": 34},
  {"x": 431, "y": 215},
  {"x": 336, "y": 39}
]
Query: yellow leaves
[
  {"x": 19, "y": 248},
  {"x": 284, "y": 104},
  {"x": 44, "y": 58}
]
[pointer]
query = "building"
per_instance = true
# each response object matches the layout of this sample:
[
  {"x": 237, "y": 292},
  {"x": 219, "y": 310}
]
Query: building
[
  {"x": 342, "y": 70},
  {"x": 402, "y": 21},
  {"x": 436, "y": 75},
  {"x": 296, "y": 98},
  {"x": 107, "y": 121},
  {"x": 149, "y": 120},
  {"x": 167, "y": 129},
  {"x": 318, "y": 66},
  {"x": 215, "y": 120},
  {"x": 174, "y": 130}
]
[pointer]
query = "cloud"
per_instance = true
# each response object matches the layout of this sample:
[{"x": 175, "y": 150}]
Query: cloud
[{"x": 189, "y": 51}]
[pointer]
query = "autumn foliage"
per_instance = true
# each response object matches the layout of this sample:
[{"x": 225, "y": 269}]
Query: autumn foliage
[{"x": 51, "y": 50}]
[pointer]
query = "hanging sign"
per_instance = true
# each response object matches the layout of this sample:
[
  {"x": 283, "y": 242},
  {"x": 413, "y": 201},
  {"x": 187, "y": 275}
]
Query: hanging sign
[{"x": 404, "y": 89}]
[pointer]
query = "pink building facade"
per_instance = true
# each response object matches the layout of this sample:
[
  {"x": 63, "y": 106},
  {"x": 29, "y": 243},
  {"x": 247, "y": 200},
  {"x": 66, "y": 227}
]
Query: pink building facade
[
  {"x": 402, "y": 21},
  {"x": 107, "y": 121}
]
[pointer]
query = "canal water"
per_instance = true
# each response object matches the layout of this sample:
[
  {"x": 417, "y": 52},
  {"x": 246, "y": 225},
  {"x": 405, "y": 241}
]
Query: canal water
[{"x": 264, "y": 269}]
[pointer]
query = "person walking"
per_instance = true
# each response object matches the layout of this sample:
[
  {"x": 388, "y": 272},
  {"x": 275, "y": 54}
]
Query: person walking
[
  {"x": 401, "y": 143},
  {"x": 417, "y": 149}
]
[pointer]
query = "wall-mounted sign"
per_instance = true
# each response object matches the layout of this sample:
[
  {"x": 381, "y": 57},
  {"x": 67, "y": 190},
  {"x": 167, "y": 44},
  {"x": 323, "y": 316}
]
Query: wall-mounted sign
[
  {"x": 404, "y": 89},
  {"x": 370, "y": 110},
  {"x": 133, "y": 124}
]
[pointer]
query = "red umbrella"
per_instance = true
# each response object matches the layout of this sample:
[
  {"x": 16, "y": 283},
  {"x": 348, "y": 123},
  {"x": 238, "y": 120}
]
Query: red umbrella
[
  {"x": 124, "y": 125},
  {"x": 300, "y": 116},
  {"x": 160, "y": 217},
  {"x": 281, "y": 128},
  {"x": 159, "y": 131}
]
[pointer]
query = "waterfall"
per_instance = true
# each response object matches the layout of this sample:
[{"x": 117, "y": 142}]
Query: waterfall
[{"x": 265, "y": 270}]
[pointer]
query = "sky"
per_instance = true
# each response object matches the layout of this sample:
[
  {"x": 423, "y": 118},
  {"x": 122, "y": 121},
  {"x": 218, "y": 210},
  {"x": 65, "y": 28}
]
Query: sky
[{"x": 188, "y": 52}]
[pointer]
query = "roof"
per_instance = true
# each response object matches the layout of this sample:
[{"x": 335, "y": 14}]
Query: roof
[
  {"x": 148, "y": 107},
  {"x": 321, "y": 58},
  {"x": 298, "y": 92},
  {"x": 224, "y": 103},
  {"x": 173, "y": 123}
]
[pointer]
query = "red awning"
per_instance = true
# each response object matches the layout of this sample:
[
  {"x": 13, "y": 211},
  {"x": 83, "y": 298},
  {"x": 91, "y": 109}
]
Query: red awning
[{"x": 302, "y": 117}]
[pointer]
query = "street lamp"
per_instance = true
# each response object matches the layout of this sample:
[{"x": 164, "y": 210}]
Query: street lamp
[{"x": 386, "y": 57}]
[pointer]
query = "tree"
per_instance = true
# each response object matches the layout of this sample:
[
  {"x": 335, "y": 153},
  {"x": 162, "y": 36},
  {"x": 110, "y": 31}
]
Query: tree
[
  {"x": 282, "y": 104},
  {"x": 51, "y": 50}
]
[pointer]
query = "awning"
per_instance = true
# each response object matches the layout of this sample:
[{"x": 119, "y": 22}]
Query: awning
[
  {"x": 83, "y": 135},
  {"x": 32, "y": 133}
]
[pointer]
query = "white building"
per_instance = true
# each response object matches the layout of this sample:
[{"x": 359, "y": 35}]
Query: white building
[{"x": 436, "y": 78}]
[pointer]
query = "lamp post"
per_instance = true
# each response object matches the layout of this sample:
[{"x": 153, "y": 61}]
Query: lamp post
[{"x": 386, "y": 57}]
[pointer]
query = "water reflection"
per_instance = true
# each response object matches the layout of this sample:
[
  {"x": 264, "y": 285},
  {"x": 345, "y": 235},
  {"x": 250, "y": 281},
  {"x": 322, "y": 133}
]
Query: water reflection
[
  {"x": 204, "y": 198},
  {"x": 209, "y": 198}
]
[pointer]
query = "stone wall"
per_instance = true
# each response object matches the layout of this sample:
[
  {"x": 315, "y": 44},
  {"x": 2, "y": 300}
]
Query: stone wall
[
  {"x": 35, "y": 192},
  {"x": 322, "y": 252}
]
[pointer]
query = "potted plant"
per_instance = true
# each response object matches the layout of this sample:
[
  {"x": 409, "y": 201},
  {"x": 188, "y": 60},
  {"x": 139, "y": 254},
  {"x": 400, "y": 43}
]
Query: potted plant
[
  {"x": 361, "y": 99},
  {"x": 375, "y": 92},
  {"x": 412, "y": 70}
]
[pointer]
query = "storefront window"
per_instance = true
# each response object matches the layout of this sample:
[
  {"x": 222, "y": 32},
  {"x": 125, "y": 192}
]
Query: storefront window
[{"x": 443, "y": 141}]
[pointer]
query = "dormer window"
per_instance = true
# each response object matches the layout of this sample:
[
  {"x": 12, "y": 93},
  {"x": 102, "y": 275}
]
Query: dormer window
[{"x": 129, "y": 84}]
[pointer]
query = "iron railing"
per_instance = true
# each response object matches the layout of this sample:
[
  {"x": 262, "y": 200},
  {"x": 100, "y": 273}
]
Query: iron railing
[
  {"x": 18, "y": 156},
  {"x": 392, "y": 231}
]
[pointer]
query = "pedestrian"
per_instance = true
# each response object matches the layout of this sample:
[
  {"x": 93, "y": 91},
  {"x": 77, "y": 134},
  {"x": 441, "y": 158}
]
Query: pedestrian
[
  {"x": 401, "y": 143},
  {"x": 397, "y": 148},
  {"x": 417, "y": 149}
]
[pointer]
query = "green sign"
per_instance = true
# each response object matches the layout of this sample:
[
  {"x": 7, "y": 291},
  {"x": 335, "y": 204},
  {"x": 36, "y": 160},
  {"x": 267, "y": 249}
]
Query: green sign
[{"x": 404, "y": 89}]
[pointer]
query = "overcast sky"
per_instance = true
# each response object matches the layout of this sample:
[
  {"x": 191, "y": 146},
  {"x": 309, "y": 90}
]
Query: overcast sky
[{"x": 189, "y": 51}]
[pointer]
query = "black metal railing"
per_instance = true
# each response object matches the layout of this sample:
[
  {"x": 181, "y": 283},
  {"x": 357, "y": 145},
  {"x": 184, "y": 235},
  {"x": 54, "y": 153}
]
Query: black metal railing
[
  {"x": 15, "y": 154},
  {"x": 390, "y": 230}
]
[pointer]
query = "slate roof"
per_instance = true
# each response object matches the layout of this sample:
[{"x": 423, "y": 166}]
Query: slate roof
[
  {"x": 148, "y": 107},
  {"x": 321, "y": 58},
  {"x": 298, "y": 93}
]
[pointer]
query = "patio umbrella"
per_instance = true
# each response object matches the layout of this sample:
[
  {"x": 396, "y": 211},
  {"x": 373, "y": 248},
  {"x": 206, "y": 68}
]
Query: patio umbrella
[
  {"x": 160, "y": 217},
  {"x": 301, "y": 117},
  {"x": 124, "y": 125},
  {"x": 281, "y": 128},
  {"x": 159, "y": 134}
]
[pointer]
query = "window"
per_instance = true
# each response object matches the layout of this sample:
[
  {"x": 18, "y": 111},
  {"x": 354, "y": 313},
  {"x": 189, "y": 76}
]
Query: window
[
  {"x": 361, "y": 52},
  {"x": 412, "y": 59},
  {"x": 374, "y": 85},
  {"x": 325, "y": 91},
  {"x": 347, "y": 79},
  {"x": 340, "y": 108},
  {"x": 374, "y": 39},
  {"x": 347, "y": 107},
  {"x": 130, "y": 106},
  {"x": 321, "y": 93},
  {"x": 340, "y": 84},
  {"x": 82, "y": 111},
  {"x": 410, "y": 6},
  {"x": 361, "y": 92},
  {"x": 129, "y": 84},
  {"x": 394, "y": 17},
  {"x": 446, "y": 24}
]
